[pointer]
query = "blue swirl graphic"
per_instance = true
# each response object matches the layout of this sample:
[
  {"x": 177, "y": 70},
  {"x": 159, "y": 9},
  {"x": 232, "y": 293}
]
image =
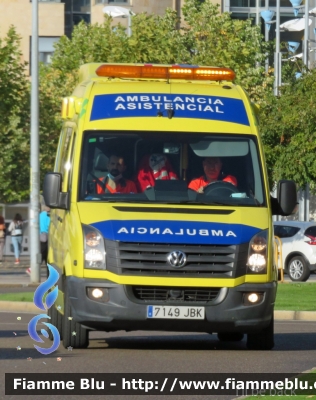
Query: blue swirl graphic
[
  {"x": 44, "y": 287},
  {"x": 33, "y": 334},
  {"x": 50, "y": 300}
]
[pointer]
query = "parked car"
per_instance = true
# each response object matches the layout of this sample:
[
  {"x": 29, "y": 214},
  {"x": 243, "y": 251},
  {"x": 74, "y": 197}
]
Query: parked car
[{"x": 298, "y": 248}]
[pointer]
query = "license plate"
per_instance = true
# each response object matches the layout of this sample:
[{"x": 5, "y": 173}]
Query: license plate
[{"x": 172, "y": 312}]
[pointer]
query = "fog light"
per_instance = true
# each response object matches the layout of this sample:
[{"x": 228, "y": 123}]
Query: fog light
[
  {"x": 253, "y": 297},
  {"x": 101, "y": 295},
  {"x": 97, "y": 293}
]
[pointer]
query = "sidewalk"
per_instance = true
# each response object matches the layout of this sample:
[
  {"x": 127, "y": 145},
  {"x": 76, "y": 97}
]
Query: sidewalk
[{"x": 14, "y": 276}]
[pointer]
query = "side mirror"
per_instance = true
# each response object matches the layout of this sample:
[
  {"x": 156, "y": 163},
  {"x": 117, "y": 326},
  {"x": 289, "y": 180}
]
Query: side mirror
[
  {"x": 53, "y": 196},
  {"x": 286, "y": 200}
]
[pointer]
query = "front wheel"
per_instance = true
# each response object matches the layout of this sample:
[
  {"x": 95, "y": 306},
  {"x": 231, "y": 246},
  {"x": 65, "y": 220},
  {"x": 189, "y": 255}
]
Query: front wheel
[
  {"x": 263, "y": 340},
  {"x": 74, "y": 335},
  {"x": 56, "y": 319},
  {"x": 298, "y": 269}
]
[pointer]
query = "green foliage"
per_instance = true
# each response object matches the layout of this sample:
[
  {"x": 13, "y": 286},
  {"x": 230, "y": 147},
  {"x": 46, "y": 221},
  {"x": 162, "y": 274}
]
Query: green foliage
[
  {"x": 91, "y": 43},
  {"x": 288, "y": 126},
  {"x": 54, "y": 85},
  {"x": 217, "y": 39},
  {"x": 155, "y": 39},
  {"x": 14, "y": 127}
]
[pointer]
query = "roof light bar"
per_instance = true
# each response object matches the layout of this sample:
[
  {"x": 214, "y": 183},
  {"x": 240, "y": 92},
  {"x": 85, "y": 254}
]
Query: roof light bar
[{"x": 166, "y": 72}]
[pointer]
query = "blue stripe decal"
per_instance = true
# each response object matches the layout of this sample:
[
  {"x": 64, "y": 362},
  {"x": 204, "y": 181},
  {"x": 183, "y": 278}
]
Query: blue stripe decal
[
  {"x": 184, "y": 106},
  {"x": 187, "y": 232}
]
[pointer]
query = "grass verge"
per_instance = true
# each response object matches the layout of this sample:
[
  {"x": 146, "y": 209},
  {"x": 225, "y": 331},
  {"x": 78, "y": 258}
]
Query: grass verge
[
  {"x": 296, "y": 296},
  {"x": 22, "y": 296}
]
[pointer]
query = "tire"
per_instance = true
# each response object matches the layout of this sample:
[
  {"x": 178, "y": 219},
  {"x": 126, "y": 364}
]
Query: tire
[
  {"x": 74, "y": 335},
  {"x": 56, "y": 319},
  {"x": 230, "y": 336},
  {"x": 298, "y": 269},
  {"x": 263, "y": 340}
]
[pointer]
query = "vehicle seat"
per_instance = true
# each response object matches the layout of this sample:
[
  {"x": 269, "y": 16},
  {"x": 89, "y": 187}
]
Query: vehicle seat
[
  {"x": 100, "y": 165},
  {"x": 99, "y": 171}
]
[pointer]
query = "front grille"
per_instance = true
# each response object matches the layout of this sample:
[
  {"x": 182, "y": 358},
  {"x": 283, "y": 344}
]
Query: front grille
[
  {"x": 150, "y": 259},
  {"x": 177, "y": 294}
]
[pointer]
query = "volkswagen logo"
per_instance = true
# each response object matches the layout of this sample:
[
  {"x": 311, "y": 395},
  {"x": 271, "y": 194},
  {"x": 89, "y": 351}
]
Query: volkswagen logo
[{"x": 177, "y": 259}]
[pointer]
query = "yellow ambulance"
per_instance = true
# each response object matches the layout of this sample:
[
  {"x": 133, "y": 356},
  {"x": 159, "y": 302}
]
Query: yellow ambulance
[{"x": 161, "y": 211}]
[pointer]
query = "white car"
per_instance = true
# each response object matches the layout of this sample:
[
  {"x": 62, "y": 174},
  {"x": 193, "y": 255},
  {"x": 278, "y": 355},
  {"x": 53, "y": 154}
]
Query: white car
[{"x": 298, "y": 248}]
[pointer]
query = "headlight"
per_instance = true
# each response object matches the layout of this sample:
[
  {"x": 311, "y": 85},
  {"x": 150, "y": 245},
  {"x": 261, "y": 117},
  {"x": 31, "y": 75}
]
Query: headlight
[
  {"x": 94, "y": 250},
  {"x": 257, "y": 253}
]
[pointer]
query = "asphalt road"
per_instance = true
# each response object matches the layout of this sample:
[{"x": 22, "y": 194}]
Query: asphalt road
[{"x": 154, "y": 352}]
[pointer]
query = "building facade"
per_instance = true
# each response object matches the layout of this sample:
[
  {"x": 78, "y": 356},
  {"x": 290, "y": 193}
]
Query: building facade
[{"x": 51, "y": 16}]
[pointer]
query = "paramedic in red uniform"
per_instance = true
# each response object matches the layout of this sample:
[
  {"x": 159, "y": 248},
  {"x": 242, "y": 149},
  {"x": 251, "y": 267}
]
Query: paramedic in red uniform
[
  {"x": 152, "y": 168},
  {"x": 212, "y": 168},
  {"x": 114, "y": 182}
]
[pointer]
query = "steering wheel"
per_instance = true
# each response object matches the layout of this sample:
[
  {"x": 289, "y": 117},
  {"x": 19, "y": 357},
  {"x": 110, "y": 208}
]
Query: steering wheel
[{"x": 220, "y": 188}]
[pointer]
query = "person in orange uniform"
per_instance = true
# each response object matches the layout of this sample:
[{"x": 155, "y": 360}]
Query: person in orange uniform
[
  {"x": 212, "y": 168},
  {"x": 114, "y": 182}
]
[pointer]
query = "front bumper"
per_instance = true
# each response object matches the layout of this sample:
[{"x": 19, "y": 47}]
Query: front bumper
[
  {"x": 312, "y": 267},
  {"x": 121, "y": 312}
]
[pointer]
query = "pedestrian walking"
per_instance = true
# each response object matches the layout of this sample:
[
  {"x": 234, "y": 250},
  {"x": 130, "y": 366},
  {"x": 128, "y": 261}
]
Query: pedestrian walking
[
  {"x": 44, "y": 228},
  {"x": 15, "y": 228},
  {"x": 2, "y": 237}
]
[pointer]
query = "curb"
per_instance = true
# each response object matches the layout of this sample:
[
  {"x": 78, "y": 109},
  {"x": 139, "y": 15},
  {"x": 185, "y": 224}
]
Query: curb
[
  {"x": 19, "y": 306},
  {"x": 25, "y": 306},
  {"x": 19, "y": 285},
  {"x": 295, "y": 315}
]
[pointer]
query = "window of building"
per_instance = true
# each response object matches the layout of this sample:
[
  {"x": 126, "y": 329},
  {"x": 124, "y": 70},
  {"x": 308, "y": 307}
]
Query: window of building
[
  {"x": 81, "y": 6},
  {"x": 283, "y": 3},
  {"x": 111, "y": 1},
  {"x": 46, "y": 48},
  {"x": 245, "y": 3},
  {"x": 244, "y": 16},
  {"x": 75, "y": 12}
]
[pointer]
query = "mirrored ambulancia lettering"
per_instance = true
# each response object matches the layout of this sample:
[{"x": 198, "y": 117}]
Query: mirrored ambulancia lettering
[{"x": 168, "y": 231}]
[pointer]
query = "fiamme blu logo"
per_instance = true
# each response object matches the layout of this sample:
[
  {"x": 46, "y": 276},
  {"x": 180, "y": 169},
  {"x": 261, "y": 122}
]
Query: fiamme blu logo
[{"x": 50, "y": 299}]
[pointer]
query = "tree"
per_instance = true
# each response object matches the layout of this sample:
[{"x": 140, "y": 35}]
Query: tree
[
  {"x": 217, "y": 39},
  {"x": 288, "y": 126},
  {"x": 15, "y": 124}
]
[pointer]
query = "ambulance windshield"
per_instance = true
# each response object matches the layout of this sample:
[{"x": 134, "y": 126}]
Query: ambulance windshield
[{"x": 163, "y": 167}]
